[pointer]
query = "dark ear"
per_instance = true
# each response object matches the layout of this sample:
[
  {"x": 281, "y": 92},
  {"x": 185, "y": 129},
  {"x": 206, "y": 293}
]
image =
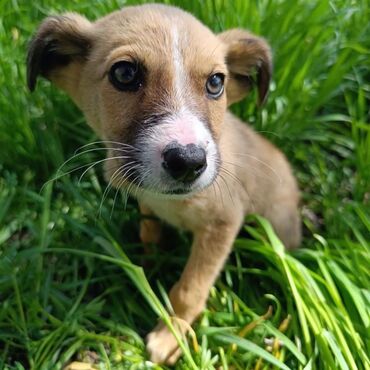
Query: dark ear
[
  {"x": 248, "y": 59},
  {"x": 59, "y": 41}
]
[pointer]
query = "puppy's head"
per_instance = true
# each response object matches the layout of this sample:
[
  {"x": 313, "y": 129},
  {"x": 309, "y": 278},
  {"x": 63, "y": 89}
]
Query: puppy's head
[{"x": 154, "y": 83}]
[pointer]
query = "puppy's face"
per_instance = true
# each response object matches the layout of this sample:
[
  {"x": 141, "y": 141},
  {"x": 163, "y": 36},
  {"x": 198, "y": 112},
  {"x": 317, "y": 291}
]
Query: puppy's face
[{"x": 154, "y": 83}]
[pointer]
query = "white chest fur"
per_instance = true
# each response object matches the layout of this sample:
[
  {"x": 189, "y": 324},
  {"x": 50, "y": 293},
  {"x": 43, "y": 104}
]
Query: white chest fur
[{"x": 186, "y": 214}]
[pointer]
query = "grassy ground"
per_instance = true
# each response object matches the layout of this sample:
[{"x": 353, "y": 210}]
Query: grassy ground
[{"x": 69, "y": 285}]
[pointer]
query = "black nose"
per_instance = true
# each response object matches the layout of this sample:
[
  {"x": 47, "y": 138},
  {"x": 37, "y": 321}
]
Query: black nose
[{"x": 184, "y": 163}]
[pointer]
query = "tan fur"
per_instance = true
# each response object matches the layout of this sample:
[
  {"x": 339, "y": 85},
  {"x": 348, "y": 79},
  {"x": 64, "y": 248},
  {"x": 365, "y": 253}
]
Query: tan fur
[{"x": 255, "y": 177}]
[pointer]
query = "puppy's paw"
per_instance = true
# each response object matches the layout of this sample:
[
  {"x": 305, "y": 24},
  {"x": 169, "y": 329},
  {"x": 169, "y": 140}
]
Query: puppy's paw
[{"x": 162, "y": 346}]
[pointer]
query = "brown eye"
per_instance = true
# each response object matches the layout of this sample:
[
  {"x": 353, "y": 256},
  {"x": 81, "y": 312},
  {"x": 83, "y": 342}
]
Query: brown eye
[
  {"x": 215, "y": 85},
  {"x": 126, "y": 76}
]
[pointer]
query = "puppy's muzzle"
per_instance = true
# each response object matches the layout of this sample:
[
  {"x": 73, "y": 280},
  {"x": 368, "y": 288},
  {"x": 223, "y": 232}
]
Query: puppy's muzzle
[{"x": 184, "y": 163}]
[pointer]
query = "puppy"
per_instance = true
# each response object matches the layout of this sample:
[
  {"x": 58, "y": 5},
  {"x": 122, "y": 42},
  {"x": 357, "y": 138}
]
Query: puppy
[{"x": 155, "y": 84}]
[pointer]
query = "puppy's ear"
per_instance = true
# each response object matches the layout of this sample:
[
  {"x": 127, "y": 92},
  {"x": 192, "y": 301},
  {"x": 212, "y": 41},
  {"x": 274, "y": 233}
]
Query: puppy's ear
[
  {"x": 248, "y": 59},
  {"x": 58, "y": 50}
]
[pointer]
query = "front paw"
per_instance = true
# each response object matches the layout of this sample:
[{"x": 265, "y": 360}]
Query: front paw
[{"x": 162, "y": 346}]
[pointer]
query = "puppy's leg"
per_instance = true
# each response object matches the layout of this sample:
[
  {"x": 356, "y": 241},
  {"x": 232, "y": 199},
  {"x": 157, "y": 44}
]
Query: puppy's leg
[
  {"x": 284, "y": 217},
  {"x": 150, "y": 229},
  {"x": 210, "y": 249}
]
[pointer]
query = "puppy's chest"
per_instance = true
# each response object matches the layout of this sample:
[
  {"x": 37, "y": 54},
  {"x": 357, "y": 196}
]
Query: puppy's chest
[{"x": 182, "y": 214}]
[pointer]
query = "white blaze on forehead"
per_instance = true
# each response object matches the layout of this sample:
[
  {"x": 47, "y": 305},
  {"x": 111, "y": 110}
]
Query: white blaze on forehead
[{"x": 179, "y": 69}]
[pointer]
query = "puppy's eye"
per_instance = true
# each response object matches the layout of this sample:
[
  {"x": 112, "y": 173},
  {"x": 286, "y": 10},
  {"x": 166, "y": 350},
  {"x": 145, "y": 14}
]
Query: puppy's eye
[
  {"x": 215, "y": 85},
  {"x": 125, "y": 76}
]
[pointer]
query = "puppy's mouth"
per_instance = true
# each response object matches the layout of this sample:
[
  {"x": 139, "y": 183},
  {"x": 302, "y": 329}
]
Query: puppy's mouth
[
  {"x": 170, "y": 176},
  {"x": 139, "y": 178}
]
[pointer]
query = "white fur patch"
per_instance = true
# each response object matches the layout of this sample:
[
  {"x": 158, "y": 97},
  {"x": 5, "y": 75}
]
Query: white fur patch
[
  {"x": 179, "y": 75},
  {"x": 184, "y": 128}
]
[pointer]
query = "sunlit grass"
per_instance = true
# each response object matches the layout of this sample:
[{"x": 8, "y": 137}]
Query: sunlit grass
[{"x": 71, "y": 288}]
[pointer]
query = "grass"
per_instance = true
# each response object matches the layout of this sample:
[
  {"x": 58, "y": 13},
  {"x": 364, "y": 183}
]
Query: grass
[{"x": 70, "y": 285}]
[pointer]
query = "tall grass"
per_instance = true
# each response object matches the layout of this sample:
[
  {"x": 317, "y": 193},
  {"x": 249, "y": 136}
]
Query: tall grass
[{"x": 71, "y": 288}]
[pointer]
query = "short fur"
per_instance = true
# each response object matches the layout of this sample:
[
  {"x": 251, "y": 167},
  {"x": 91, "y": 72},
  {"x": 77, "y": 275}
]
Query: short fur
[{"x": 249, "y": 175}]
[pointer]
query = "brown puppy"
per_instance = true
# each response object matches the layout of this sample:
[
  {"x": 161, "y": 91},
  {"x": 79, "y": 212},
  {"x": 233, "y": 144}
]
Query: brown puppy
[{"x": 154, "y": 83}]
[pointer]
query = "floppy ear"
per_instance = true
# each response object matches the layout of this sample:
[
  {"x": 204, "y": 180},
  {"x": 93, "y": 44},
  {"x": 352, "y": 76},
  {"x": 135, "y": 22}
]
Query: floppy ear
[
  {"x": 249, "y": 62},
  {"x": 58, "y": 50}
]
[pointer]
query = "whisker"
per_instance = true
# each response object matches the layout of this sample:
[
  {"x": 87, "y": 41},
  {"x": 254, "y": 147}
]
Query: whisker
[
  {"x": 244, "y": 186},
  {"x": 132, "y": 183},
  {"x": 262, "y": 162},
  {"x": 97, "y": 162},
  {"x": 110, "y": 183},
  {"x": 59, "y": 176},
  {"x": 125, "y": 145},
  {"x": 220, "y": 192},
  {"x": 214, "y": 189},
  {"x": 120, "y": 184},
  {"x": 138, "y": 166},
  {"x": 80, "y": 154},
  {"x": 144, "y": 176},
  {"x": 232, "y": 164},
  {"x": 232, "y": 175},
  {"x": 227, "y": 188}
]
